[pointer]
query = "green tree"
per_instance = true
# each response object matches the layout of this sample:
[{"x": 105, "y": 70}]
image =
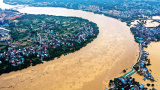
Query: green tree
[{"x": 148, "y": 84}]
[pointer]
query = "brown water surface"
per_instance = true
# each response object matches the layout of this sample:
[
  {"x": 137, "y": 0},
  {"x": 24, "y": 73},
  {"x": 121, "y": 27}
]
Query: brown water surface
[
  {"x": 87, "y": 69},
  {"x": 154, "y": 56}
]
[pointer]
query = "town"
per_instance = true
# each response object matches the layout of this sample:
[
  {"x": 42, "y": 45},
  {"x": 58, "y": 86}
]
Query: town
[
  {"x": 143, "y": 35},
  {"x": 124, "y": 83},
  {"x": 37, "y": 38},
  {"x": 125, "y": 11},
  {"x": 5, "y": 18}
]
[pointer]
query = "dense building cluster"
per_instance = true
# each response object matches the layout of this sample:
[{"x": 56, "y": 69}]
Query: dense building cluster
[
  {"x": 142, "y": 69},
  {"x": 92, "y": 8},
  {"x": 5, "y": 17},
  {"x": 42, "y": 40},
  {"x": 127, "y": 9},
  {"x": 133, "y": 9},
  {"x": 124, "y": 83},
  {"x": 144, "y": 34},
  {"x": 4, "y": 34},
  {"x": 16, "y": 57}
]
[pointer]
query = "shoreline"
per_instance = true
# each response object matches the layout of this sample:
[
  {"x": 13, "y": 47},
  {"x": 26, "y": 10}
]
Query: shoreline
[
  {"x": 86, "y": 11},
  {"x": 76, "y": 46},
  {"x": 94, "y": 60},
  {"x": 153, "y": 49}
]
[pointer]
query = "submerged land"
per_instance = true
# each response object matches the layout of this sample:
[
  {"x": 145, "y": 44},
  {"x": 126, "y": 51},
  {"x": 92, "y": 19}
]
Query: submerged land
[{"x": 138, "y": 15}]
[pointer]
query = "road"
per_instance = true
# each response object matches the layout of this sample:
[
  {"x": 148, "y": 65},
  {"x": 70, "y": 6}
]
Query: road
[
  {"x": 5, "y": 29},
  {"x": 133, "y": 70}
]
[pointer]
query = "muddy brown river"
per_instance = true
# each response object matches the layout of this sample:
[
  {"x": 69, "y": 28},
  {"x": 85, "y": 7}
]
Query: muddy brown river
[{"x": 90, "y": 68}]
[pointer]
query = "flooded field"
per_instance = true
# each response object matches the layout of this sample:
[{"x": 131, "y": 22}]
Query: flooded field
[{"x": 149, "y": 23}]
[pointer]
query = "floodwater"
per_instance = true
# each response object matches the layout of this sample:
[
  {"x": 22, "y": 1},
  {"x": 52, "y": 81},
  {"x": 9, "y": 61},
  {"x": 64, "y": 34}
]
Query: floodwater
[
  {"x": 90, "y": 68},
  {"x": 6, "y": 6},
  {"x": 154, "y": 57},
  {"x": 156, "y": 17},
  {"x": 149, "y": 23}
]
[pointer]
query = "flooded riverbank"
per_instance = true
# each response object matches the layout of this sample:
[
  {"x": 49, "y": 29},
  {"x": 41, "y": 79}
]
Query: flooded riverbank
[
  {"x": 154, "y": 54},
  {"x": 87, "y": 69}
]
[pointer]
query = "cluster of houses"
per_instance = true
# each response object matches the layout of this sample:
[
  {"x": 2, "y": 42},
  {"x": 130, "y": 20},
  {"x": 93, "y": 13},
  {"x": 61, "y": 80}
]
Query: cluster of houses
[
  {"x": 48, "y": 39},
  {"x": 138, "y": 8},
  {"x": 128, "y": 8},
  {"x": 142, "y": 67},
  {"x": 53, "y": 39},
  {"x": 92, "y": 8},
  {"x": 146, "y": 34},
  {"x": 6, "y": 16},
  {"x": 4, "y": 34},
  {"x": 143, "y": 9},
  {"x": 16, "y": 56},
  {"x": 124, "y": 83},
  {"x": 131, "y": 13}
]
